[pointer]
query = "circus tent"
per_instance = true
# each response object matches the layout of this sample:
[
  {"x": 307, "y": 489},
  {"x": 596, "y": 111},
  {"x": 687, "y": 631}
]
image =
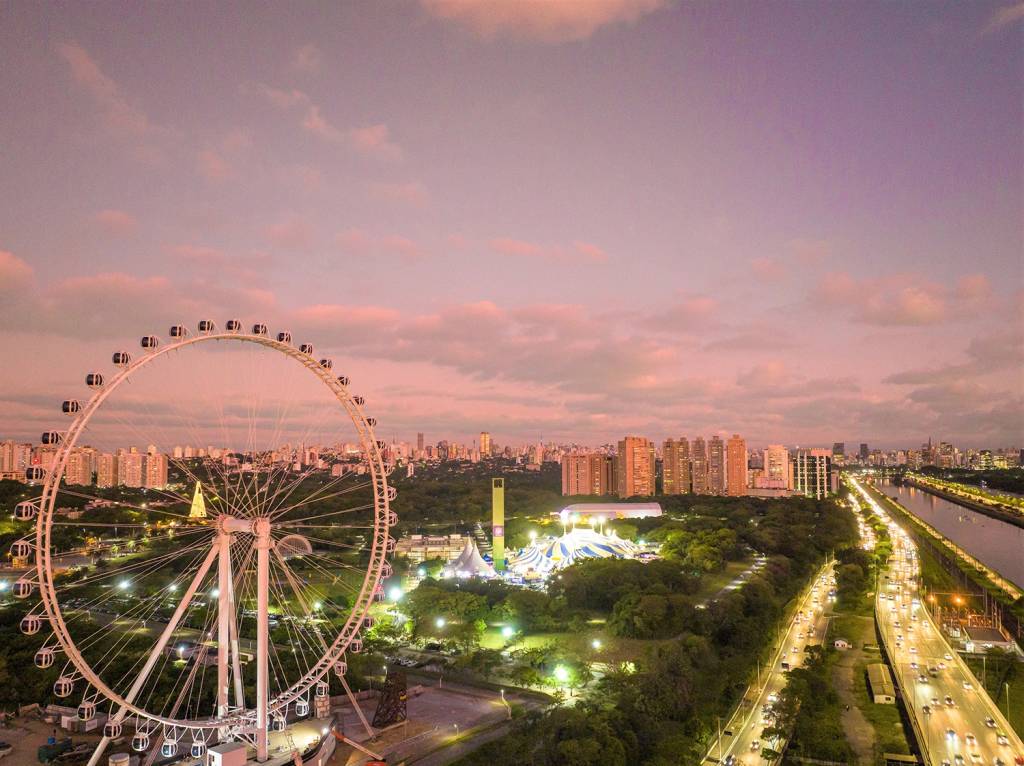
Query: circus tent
[
  {"x": 469, "y": 564},
  {"x": 543, "y": 556}
]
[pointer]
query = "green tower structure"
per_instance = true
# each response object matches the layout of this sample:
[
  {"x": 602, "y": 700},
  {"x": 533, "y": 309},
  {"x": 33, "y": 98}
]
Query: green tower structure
[{"x": 498, "y": 522}]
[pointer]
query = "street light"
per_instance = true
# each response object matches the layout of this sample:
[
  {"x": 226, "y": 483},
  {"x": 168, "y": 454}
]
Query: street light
[
  {"x": 561, "y": 673},
  {"x": 596, "y": 643},
  {"x": 508, "y": 631},
  {"x": 395, "y": 594},
  {"x": 440, "y": 622}
]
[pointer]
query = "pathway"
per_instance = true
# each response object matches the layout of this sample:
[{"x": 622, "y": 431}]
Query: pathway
[{"x": 859, "y": 732}]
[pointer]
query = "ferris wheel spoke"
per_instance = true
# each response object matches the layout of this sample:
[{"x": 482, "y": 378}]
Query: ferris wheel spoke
[{"x": 319, "y": 498}]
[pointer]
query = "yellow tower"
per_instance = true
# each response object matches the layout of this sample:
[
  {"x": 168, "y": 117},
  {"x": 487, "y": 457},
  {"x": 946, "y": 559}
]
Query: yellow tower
[
  {"x": 498, "y": 522},
  {"x": 198, "y": 504}
]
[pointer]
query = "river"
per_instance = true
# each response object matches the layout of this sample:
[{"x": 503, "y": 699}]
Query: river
[{"x": 998, "y": 545}]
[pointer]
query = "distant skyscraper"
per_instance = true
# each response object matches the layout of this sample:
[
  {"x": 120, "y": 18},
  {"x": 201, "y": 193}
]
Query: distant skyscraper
[
  {"x": 699, "y": 466},
  {"x": 419, "y": 444},
  {"x": 676, "y": 466},
  {"x": 156, "y": 470},
  {"x": 485, "y": 444},
  {"x": 716, "y": 466},
  {"x": 812, "y": 472},
  {"x": 576, "y": 474},
  {"x": 79, "y": 467},
  {"x": 736, "y": 465},
  {"x": 839, "y": 449},
  {"x": 864, "y": 452},
  {"x": 635, "y": 467},
  {"x": 106, "y": 470},
  {"x": 129, "y": 468},
  {"x": 776, "y": 468}
]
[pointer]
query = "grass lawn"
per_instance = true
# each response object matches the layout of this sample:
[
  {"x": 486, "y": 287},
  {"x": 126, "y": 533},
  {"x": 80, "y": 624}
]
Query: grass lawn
[
  {"x": 712, "y": 583},
  {"x": 612, "y": 649}
]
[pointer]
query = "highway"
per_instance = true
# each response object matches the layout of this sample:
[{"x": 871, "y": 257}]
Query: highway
[
  {"x": 957, "y": 720},
  {"x": 741, "y": 741}
]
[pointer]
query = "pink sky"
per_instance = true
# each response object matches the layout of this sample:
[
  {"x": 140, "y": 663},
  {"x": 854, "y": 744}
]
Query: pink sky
[{"x": 799, "y": 222}]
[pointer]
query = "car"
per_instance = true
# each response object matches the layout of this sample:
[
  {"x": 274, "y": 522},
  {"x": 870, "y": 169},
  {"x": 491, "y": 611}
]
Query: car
[
  {"x": 926, "y": 709},
  {"x": 945, "y": 762},
  {"x": 755, "y": 745},
  {"x": 949, "y": 701},
  {"x": 950, "y": 734},
  {"x": 922, "y": 679},
  {"x": 935, "y": 701},
  {"x": 998, "y": 762},
  {"x": 968, "y": 685},
  {"x": 1002, "y": 739},
  {"x": 970, "y": 739},
  {"x": 976, "y": 758},
  {"x": 730, "y": 760},
  {"x": 913, "y": 650},
  {"x": 990, "y": 722},
  {"x": 947, "y": 657},
  {"x": 958, "y": 759}
]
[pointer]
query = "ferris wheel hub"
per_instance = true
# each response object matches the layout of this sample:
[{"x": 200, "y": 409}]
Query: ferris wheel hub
[{"x": 258, "y": 527}]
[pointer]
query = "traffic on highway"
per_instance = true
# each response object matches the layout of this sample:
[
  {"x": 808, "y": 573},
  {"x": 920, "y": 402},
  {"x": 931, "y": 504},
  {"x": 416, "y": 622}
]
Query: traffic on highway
[
  {"x": 741, "y": 741},
  {"x": 955, "y": 719}
]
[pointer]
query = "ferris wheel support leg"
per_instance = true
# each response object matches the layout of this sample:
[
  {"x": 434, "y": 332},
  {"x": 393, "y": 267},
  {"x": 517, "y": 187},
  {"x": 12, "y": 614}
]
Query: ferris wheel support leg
[
  {"x": 158, "y": 650},
  {"x": 263, "y": 545},
  {"x": 224, "y": 611},
  {"x": 236, "y": 666}
]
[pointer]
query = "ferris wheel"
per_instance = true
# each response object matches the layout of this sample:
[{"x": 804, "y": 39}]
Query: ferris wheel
[{"x": 199, "y": 594}]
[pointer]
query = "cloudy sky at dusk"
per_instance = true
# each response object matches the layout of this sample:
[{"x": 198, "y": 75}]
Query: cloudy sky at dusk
[{"x": 798, "y": 221}]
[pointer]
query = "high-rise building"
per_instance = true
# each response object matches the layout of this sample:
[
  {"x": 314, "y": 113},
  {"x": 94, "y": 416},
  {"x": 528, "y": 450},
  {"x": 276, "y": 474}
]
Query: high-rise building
[
  {"x": 777, "y": 474},
  {"x": 156, "y": 470},
  {"x": 419, "y": 444},
  {"x": 129, "y": 468},
  {"x": 79, "y": 467},
  {"x": 586, "y": 474},
  {"x": 106, "y": 470},
  {"x": 576, "y": 474},
  {"x": 635, "y": 467},
  {"x": 716, "y": 466},
  {"x": 864, "y": 452},
  {"x": 485, "y": 444},
  {"x": 839, "y": 449},
  {"x": 812, "y": 472},
  {"x": 675, "y": 455},
  {"x": 699, "y": 466},
  {"x": 736, "y": 466}
]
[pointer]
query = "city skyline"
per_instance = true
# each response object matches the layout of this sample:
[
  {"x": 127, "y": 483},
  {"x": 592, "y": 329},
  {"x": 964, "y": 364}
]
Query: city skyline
[{"x": 614, "y": 275}]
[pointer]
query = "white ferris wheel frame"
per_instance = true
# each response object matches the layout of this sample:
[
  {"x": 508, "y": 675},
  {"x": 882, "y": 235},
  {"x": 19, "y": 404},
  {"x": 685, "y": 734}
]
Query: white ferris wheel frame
[{"x": 247, "y": 718}]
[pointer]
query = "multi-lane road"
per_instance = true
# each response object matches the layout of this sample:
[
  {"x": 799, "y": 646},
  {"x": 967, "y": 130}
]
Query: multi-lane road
[
  {"x": 957, "y": 720},
  {"x": 741, "y": 741}
]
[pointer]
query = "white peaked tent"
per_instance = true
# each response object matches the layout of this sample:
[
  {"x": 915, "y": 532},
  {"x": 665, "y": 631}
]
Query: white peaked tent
[{"x": 469, "y": 564}]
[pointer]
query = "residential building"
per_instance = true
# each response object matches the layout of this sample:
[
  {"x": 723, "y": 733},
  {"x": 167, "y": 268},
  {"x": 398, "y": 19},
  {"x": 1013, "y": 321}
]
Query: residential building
[
  {"x": 485, "y": 444},
  {"x": 156, "y": 470},
  {"x": 635, "y": 467},
  {"x": 106, "y": 470},
  {"x": 776, "y": 473},
  {"x": 716, "y": 466},
  {"x": 736, "y": 466},
  {"x": 129, "y": 468},
  {"x": 812, "y": 472},
  {"x": 699, "y": 466},
  {"x": 676, "y": 466}
]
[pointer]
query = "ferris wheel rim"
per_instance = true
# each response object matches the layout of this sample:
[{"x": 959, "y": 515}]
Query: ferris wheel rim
[{"x": 352, "y": 405}]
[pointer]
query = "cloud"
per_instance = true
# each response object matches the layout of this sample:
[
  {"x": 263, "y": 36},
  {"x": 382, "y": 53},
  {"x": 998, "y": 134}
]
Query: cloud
[
  {"x": 370, "y": 141},
  {"x": 292, "y": 233},
  {"x": 549, "y": 21},
  {"x": 974, "y": 288},
  {"x": 307, "y": 59},
  {"x": 899, "y": 300},
  {"x": 411, "y": 193},
  {"x": 810, "y": 251},
  {"x": 994, "y": 352},
  {"x": 212, "y": 166},
  {"x": 116, "y": 223},
  {"x": 15, "y": 274},
  {"x": 577, "y": 251},
  {"x": 360, "y": 243},
  {"x": 688, "y": 313},
  {"x": 119, "y": 115},
  {"x": 1003, "y": 17},
  {"x": 277, "y": 97},
  {"x": 767, "y": 269}
]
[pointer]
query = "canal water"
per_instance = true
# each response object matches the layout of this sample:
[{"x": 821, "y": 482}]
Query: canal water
[{"x": 998, "y": 545}]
